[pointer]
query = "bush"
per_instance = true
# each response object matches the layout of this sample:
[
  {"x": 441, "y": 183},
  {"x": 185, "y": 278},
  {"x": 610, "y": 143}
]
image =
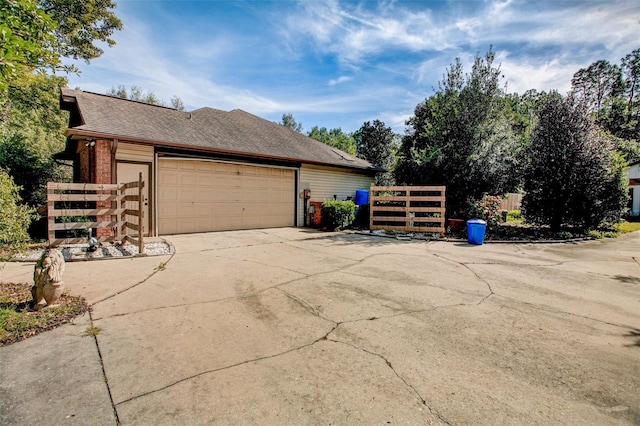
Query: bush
[
  {"x": 514, "y": 216},
  {"x": 14, "y": 217},
  {"x": 486, "y": 209},
  {"x": 337, "y": 214}
]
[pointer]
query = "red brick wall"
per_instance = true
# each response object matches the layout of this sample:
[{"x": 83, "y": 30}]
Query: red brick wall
[{"x": 101, "y": 173}]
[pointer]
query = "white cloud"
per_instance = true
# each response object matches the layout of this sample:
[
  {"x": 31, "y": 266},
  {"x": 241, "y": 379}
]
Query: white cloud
[{"x": 341, "y": 79}]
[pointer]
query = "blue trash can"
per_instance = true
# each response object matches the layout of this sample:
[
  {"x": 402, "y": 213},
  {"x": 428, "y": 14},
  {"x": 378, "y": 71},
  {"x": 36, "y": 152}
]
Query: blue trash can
[
  {"x": 475, "y": 231},
  {"x": 362, "y": 197}
]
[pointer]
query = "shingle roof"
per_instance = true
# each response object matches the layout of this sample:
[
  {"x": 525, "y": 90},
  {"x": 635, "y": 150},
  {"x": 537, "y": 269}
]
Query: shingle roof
[{"x": 206, "y": 128}]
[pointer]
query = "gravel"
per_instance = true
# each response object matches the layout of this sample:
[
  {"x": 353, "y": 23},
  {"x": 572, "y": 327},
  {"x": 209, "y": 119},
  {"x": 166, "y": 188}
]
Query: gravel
[{"x": 75, "y": 252}]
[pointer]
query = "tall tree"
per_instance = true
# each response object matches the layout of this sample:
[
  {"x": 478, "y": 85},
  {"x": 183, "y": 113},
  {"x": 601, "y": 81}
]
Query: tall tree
[
  {"x": 597, "y": 82},
  {"x": 461, "y": 138},
  {"x": 574, "y": 175},
  {"x": 80, "y": 24},
  {"x": 375, "y": 143},
  {"x": 335, "y": 138},
  {"x": 631, "y": 70},
  {"x": 290, "y": 122},
  {"x": 26, "y": 41},
  {"x": 32, "y": 133},
  {"x": 138, "y": 94}
]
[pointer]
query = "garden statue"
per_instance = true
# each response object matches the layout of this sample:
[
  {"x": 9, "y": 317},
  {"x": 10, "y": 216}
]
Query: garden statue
[{"x": 48, "y": 277}]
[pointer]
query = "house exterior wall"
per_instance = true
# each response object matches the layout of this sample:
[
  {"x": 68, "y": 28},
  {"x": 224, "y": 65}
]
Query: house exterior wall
[
  {"x": 634, "y": 190},
  {"x": 325, "y": 183},
  {"x": 134, "y": 153}
]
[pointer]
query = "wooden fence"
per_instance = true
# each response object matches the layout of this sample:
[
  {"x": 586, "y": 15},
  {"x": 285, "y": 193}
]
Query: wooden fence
[
  {"x": 407, "y": 208},
  {"x": 113, "y": 210},
  {"x": 512, "y": 201}
]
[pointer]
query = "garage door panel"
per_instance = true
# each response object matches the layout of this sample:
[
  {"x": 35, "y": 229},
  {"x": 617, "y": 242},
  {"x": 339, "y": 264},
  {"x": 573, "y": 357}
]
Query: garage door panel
[{"x": 200, "y": 196}]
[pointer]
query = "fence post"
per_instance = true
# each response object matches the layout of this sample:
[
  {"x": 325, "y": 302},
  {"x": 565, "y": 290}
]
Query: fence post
[{"x": 140, "y": 216}]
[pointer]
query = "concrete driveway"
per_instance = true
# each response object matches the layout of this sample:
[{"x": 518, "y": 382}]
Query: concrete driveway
[{"x": 291, "y": 326}]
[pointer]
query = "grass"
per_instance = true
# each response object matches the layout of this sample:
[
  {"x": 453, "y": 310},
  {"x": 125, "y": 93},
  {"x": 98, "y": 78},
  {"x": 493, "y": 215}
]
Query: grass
[
  {"x": 626, "y": 227},
  {"x": 19, "y": 319}
]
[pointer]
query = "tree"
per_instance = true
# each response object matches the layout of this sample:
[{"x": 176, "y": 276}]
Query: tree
[
  {"x": 376, "y": 144},
  {"x": 461, "y": 137},
  {"x": 80, "y": 24},
  {"x": 138, "y": 94},
  {"x": 596, "y": 83},
  {"x": 335, "y": 138},
  {"x": 32, "y": 133},
  {"x": 289, "y": 122},
  {"x": 631, "y": 70},
  {"x": 26, "y": 41},
  {"x": 574, "y": 175}
]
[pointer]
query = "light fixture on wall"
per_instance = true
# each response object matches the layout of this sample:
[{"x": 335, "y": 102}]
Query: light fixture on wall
[{"x": 89, "y": 142}]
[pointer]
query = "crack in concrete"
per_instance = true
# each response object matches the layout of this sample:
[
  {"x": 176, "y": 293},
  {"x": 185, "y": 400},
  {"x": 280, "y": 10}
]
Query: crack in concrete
[
  {"x": 104, "y": 373},
  {"x": 155, "y": 271},
  {"x": 227, "y": 367},
  {"x": 558, "y": 311},
  {"x": 408, "y": 385}
]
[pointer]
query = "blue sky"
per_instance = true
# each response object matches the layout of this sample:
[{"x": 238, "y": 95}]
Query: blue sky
[{"x": 340, "y": 63}]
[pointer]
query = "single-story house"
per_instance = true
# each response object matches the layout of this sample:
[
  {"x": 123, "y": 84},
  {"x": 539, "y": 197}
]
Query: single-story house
[
  {"x": 206, "y": 170},
  {"x": 633, "y": 172}
]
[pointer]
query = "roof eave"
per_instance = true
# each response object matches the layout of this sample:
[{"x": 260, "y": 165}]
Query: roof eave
[{"x": 78, "y": 133}]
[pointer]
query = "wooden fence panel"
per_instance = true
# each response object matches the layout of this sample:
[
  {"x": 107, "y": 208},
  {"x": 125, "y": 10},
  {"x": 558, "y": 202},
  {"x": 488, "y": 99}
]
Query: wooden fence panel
[
  {"x": 407, "y": 208},
  {"x": 71, "y": 207},
  {"x": 511, "y": 201}
]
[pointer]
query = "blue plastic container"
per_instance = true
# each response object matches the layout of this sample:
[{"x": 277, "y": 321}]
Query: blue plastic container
[
  {"x": 362, "y": 196},
  {"x": 475, "y": 231}
]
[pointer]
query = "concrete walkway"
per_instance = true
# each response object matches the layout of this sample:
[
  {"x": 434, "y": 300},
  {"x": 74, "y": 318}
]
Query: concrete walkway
[{"x": 291, "y": 326}]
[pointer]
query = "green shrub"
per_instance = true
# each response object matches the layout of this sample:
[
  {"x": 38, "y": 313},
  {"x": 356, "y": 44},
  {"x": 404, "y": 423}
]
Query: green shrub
[
  {"x": 514, "y": 216},
  {"x": 14, "y": 217},
  {"x": 337, "y": 214},
  {"x": 486, "y": 209}
]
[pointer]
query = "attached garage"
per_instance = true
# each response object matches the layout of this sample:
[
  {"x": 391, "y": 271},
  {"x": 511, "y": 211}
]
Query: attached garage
[
  {"x": 206, "y": 170},
  {"x": 203, "y": 196}
]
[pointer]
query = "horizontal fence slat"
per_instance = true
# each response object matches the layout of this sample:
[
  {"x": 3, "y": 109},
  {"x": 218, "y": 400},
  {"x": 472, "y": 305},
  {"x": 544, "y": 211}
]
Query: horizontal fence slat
[
  {"x": 130, "y": 212},
  {"x": 84, "y": 225},
  {"x": 83, "y": 197},
  {"x": 84, "y": 212},
  {"x": 408, "y": 188},
  {"x": 82, "y": 186}
]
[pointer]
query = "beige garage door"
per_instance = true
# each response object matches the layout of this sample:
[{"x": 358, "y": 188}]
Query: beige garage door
[{"x": 202, "y": 196}]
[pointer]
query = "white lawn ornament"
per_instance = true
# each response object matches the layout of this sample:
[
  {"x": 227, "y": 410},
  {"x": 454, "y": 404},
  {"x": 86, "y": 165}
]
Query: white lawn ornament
[{"x": 48, "y": 277}]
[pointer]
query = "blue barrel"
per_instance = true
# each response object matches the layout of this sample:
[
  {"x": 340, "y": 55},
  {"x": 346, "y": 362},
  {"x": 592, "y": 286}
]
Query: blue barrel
[
  {"x": 362, "y": 197},
  {"x": 475, "y": 231}
]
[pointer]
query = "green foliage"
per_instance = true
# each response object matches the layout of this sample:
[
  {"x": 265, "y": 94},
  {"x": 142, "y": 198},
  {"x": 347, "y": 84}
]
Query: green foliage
[
  {"x": 31, "y": 133},
  {"x": 289, "y": 122},
  {"x": 514, "y": 216},
  {"x": 335, "y": 138},
  {"x": 574, "y": 176},
  {"x": 612, "y": 95},
  {"x": 466, "y": 136},
  {"x": 80, "y": 24},
  {"x": 337, "y": 214},
  {"x": 138, "y": 94},
  {"x": 26, "y": 40},
  {"x": 375, "y": 143},
  {"x": 19, "y": 318},
  {"x": 485, "y": 208},
  {"x": 14, "y": 217}
]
